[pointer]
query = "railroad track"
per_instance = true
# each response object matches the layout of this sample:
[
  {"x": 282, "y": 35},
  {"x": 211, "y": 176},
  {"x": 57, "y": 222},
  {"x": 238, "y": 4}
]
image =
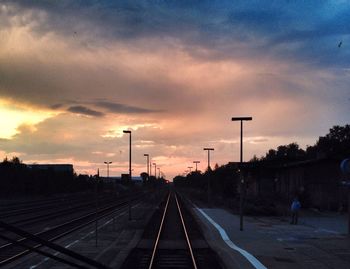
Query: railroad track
[
  {"x": 161, "y": 258},
  {"x": 10, "y": 252},
  {"x": 176, "y": 242},
  {"x": 47, "y": 219},
  {"x": 33, "y": 216},
  {"x": 19, "y": 212},
  {"x": 8, "y": 209}
]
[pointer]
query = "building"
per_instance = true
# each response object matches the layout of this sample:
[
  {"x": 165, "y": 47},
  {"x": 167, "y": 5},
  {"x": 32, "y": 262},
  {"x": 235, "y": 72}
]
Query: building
[
  {"x": 317, "y": 182},
  {"x": 66, "y": 168}
]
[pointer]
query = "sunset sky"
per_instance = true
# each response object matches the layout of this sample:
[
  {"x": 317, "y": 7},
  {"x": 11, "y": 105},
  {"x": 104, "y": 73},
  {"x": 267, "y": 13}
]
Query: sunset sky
[{"x": 75, "y": 73}]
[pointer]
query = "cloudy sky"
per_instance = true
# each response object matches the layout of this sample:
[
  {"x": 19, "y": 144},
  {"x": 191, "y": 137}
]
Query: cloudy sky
[{"x": 75, "y": 73}]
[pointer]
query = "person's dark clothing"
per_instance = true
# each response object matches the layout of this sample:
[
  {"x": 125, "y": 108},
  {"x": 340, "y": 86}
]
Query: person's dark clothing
[{"x": 295, "y": 207}]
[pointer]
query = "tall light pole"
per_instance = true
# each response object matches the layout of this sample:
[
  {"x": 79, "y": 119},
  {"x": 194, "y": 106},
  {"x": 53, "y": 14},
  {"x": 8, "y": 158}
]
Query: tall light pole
[
  {"x": 196, "y": 162},
  {"x": 158, "y": 172},
  {"x": 242, "y": 184},
  {"x": 129, "y": 132},
  {"x": 147, "y": 155},
  {"x": 150, "y": 167},
  {"x": 108, "y": 163},
  {"x": 190, "y": 167},
  {"x": 129, "y": 201},
  {"x": 208, "y": 187},
  {"x": 155, "y": 169},
  {"x": 208, "y": 149}
]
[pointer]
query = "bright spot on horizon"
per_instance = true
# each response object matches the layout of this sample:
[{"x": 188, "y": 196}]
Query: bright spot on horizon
[
  {"x": 117, "y": 132},
  {"x": 13, "y": 116}
]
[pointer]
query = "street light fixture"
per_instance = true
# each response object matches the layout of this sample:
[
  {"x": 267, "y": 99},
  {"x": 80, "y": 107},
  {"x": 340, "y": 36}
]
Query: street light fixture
[
  {"x": 108, "y": 163},
  {"x": 129, "y": 132},
  {"x": 196, "y": 162},
  {"x": 208, "y": 149},
  {"x": 155, "y": 169},
  {"x": 208, "y": 187},
  {"x": 147, "y": 155},
  {"x": 190, "y": 167},
  {"x": 242, "y": 183},
  {"x": 150, "y": 167}
]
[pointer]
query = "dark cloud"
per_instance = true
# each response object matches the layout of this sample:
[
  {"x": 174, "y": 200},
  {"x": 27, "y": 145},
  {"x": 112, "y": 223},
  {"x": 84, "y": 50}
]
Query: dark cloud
[
  {"x": 140, "y": 57},
  {"x": 85, "y": 111},
  {"x": 215, "y": 25},
  {"x": 56, "y": 106},
  {"x": 257, "y": 19},
  {"x": 120, "y": 108}
]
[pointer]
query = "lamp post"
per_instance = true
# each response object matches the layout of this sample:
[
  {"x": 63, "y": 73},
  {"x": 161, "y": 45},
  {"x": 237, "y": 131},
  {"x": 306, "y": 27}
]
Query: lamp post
[
  {"x": 147, "y": 155},
  {"x": 129, "y": 132},
  {"x": 196, "y": 162},
  {"x": 242, "y": 182},
  {"x": 155, "y": 169},
  {"x": 190, "y": 167},
  {"x": 96, "y": 206},
  {"x": 158, "y": 172},
  {"x": 208, "y": 187},
  {"x": 150, "y": 167},
  {"x": 208, "y": 149},
  {"x": 108, "y": 163}
]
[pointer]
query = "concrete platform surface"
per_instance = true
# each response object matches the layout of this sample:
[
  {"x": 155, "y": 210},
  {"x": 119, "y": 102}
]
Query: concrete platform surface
[{"x": 319, "y": 241}]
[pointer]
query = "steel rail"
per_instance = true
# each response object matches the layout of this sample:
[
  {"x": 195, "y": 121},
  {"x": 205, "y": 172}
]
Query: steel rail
[
  {"x": 158, "y": 235},
  {"x": 58, "y": 213},
  {"x": 24, "y": 207},
  {"x": 74, "y": 220},
  {"x": 54, "y": 246},
  {"x": 103, "y": 213},
  {"x": 52, "y": 206},
  {"x": 160, "y": 231},
  {"x": 60, "y": 235},
  {"x": 186, "y": 234},
  {"x": 47, "y": 254},
  {"x": 116, "y": 205}
]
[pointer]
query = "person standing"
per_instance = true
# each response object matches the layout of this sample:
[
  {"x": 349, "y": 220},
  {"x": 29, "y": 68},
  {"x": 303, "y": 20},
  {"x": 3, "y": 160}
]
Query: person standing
[{"x": 295, "y": 207}]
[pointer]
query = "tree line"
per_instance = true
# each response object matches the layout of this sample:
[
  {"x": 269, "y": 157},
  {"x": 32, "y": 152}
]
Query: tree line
[
  {"x": 223, "y": 180},
  {"x": 335, "y": 144},
  {"x": 17, "y": 178}
]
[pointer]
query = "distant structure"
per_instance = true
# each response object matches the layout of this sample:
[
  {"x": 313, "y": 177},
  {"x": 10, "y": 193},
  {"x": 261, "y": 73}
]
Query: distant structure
[
  {"x": 317, "y": 182},
  {"x": 67, "y": 168}
]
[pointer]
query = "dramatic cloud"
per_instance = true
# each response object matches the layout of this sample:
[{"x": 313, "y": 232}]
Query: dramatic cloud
[
  {"x": 75, "y": 74},
  {"x": 85, "y": 111},
  {"x": 120, "y": 108}
]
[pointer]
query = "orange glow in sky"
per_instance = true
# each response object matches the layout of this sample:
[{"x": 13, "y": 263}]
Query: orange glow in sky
[{"x": 71, "y": 82}]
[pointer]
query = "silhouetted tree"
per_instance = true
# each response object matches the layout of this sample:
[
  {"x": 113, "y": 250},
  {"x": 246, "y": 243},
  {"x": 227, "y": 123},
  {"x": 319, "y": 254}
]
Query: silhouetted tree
[
  {"x": 18, "y": 178},
  {"x": 285, "y": 153},
  {"x": 334, "y": 144},
  {"x": 254, "y": 159},
  {"x": 144, "y": 177}
]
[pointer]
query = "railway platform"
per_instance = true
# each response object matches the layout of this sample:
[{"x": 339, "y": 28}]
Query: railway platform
[
  {"x": 272, "y": 242},
  {"x": 319, "y": 241}
]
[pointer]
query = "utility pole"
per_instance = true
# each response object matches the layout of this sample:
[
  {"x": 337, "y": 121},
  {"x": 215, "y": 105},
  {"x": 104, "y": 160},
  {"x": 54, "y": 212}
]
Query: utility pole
[
  {"x": 208, "y": 180},
  {"x": 196, "y": 162},
  {"x": 130, "y": 176},
  {"x": 242, "y": 182},
  {"x": 155, "y": 169},
  {"x": 108, "y": 163},
  {"x": 147, "y": 155}
]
